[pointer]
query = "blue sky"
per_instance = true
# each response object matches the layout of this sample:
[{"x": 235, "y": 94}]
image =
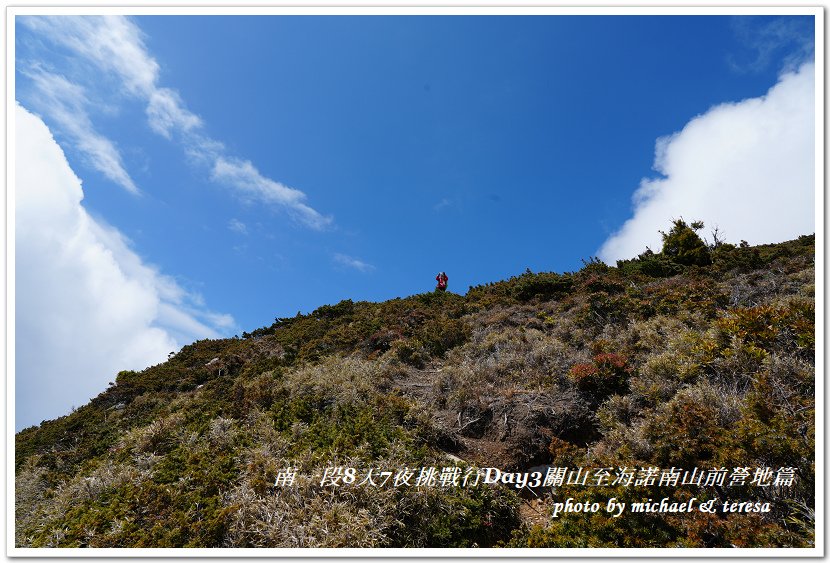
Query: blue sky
[{"x": 234, "y": 169}]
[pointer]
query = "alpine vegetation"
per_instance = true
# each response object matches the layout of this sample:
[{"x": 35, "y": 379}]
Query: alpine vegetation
[{"x": 665, "y": 401}]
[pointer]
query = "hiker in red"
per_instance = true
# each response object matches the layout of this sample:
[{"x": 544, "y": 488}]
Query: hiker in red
[{"x": 442, "y": 281}]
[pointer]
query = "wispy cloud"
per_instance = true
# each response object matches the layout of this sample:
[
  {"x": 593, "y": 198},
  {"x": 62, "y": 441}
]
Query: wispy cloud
[
  {"x": 166, "y": 114},
  {"x": 113, "y": 43},
  {"x": 747, "y": 168},
  {"x": 441, "y": 205},
  {"x": 238, "y": 226},
  {"x": 765, "y": 37},
  {"x": 115, "y": 46},
  {"x": 87, "y": 305},
  {"x": 353, "y": 263},
  {"x": 247, "y": 180},
  {"x": 66, "y": 103}
]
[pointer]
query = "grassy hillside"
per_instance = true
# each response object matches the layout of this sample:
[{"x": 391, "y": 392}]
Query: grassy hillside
[{"x": 673, "y": 360}]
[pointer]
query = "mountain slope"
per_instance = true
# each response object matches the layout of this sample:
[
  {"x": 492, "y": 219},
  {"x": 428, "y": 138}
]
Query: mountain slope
[{"x": 659, "y": 362}]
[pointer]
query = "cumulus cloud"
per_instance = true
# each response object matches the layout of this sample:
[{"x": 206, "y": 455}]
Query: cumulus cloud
[
  {"x": 747, "y": 168},
  {"x": 353, "y": 263},
  {"x": 115, "y": 46},
  {"x": 86, "y": 305}
]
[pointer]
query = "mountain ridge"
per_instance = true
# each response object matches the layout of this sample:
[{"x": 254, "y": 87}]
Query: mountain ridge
[{"x": 696, "y": 356}]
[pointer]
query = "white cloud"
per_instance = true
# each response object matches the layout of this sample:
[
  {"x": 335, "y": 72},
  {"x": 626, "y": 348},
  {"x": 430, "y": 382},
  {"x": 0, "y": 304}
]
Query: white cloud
[
  {"x": 247, "y": 180},
  {"x": 115, "y": 45},
  {"x": 441, "y": 205},
  {"x": 220, "y": 321},
  {"x": 166, "y": 113},
  {"x": 86, "y": 305},
  {"x": 763, "y": 38},
  {"x": 66, "y": 104},
  {"x": 238, "y": 226},
  {"x": 747, "y": 168},
  {"x": 353, "y": 263}
]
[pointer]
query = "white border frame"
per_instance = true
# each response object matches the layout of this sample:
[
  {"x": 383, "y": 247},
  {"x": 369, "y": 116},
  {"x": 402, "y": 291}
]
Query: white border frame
[{"x": 459, "y": 7}]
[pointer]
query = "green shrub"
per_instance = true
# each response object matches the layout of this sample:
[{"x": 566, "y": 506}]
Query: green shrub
[
  {"x": 650, "y": 264},
  {"x": 683, "y": 245},
  {"x": 543, "y": 286}
]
